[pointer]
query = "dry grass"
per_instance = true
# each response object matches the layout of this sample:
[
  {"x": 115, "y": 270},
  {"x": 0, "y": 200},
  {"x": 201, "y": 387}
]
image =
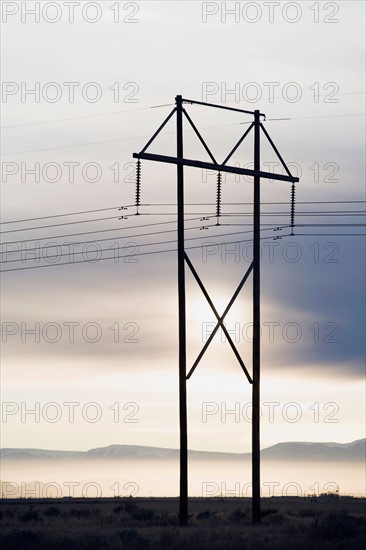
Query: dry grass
[{"x": 287, "y": 523}]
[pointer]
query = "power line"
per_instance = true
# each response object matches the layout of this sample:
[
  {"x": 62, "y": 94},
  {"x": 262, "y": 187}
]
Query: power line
[
  {"x": 163, "y": 134},
  {"x": 304, "y": 212},
  {"x": 275, "y": 228},
  {"x": 203, "y": 214},
  {"x": 108, "y": 113},
  {"x": 142, "y": 226},
  {"x": 304, "y": 224},
  {"x": 67, "y": 235},
  {"x": 122, "y": 206},
  {"x": 275, "y": 214},
  {"x": 207, "y": 214},
  {"x": 250, "y": 203},
  {"x": 95, "y": 220},
  {"x": 121, "y": 257},
  {"x": 137, "y": 235},
  {"x": 64, "y": 215},
  {"x": 61, "y": 224},
  {"x": 173, "y": 250},
  {"x": 307, "y": 117},
  {"x": 98, "y": 240},
  {"x": 85, "y": 116},
  {"x": 104, "y": 239},
  {"x": 159, "y": 243},
  {"x": 330, "y": 234}
]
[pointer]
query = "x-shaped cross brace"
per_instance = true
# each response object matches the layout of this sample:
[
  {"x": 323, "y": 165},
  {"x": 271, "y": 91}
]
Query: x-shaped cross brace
[{"x": 220, "y": 320}]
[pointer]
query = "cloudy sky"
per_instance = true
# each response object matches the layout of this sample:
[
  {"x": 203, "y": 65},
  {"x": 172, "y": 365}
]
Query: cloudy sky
[{"x": 101, "y": 364}]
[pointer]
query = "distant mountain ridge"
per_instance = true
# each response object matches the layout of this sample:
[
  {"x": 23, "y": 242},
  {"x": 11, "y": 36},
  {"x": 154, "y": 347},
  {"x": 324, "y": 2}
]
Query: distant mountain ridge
[{"x": 353, "y": 451}]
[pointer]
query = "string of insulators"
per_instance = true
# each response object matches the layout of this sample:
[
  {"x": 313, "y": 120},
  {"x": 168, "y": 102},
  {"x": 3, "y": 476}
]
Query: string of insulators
[
  {"x": 292, "y": 216},
  {"x": 138, "y": 185},
  {"x": 218, "y": 198}
]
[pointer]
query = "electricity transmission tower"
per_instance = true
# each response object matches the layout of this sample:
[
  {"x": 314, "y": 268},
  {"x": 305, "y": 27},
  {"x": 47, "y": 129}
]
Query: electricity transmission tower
[{"x": 180, "y": 161}]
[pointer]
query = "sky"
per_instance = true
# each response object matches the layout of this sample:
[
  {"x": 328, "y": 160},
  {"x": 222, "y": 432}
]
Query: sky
[{"x": 101, "y": 365}]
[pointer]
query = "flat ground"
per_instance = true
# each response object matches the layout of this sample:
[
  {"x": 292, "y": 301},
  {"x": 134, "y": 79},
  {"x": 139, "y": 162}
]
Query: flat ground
[{"x": 325, "y": 523}]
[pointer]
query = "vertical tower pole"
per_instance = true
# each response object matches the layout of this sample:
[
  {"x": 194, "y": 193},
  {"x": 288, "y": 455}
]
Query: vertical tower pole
[
  {"x": 256, "y": 504},
  {"x": 183, "y": 500}
]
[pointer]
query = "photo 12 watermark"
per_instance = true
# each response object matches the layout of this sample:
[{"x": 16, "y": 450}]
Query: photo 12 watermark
[
  {"x": 69, "y": 411},
  {"x": 53, "y": 253},
  {"x": 69, "y": 92},
  {"x": 238, "y": 489},
  {"x": 68, "y": 489},
  {"x": 70, "y": 332},
  {"x": 270, "y": 12},
  {"x": 71, "y": 12},
  {"x": 270, "y": 411},
  {"x": 271, "y": 251},
  {"x": 271, "y": 91},
  {"x": 272, "y": 332},
  {"x": 315, "y": 172},
  {"x": 67, "y": 172}
]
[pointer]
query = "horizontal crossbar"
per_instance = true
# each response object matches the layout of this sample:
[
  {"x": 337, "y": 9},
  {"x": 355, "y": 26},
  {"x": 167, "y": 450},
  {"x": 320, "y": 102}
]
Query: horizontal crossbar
[
  {"x": 216, "y": 167},
  {"x": 217, "y": 106}
]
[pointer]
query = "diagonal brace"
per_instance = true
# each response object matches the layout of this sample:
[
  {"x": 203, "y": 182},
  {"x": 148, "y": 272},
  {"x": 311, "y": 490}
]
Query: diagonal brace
[
  {"x": 275, "y": 149},
  {"x": 220, "y": 321},
  {"x": 239, "y": 143},
  {"x": 199, "y": 137},
  {"x": 159, "y": 129}
]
